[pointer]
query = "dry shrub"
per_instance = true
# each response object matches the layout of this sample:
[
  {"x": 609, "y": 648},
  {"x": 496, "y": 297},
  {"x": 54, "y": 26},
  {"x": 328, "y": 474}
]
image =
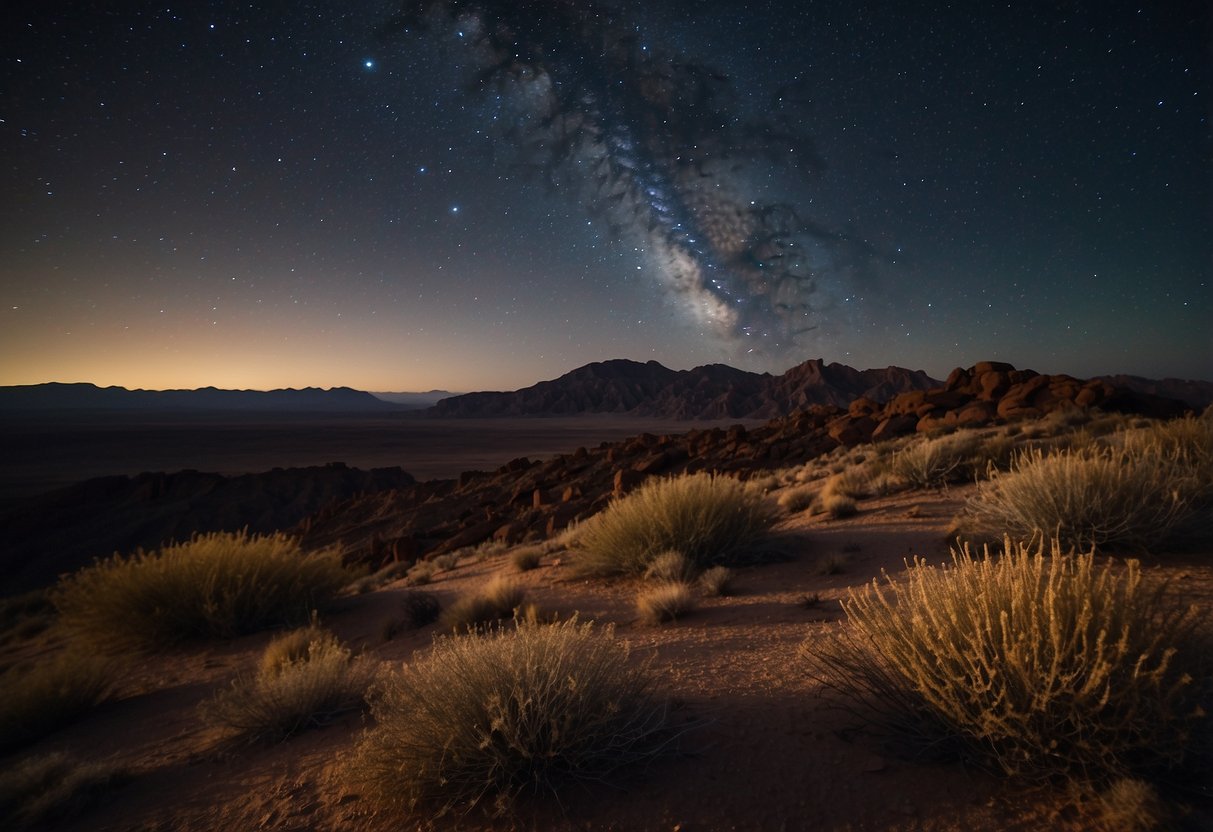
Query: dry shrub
[
  {"x": 496, "y": 600},
  {"x": 487, "y": 717},
  {"x": 420, "y": 609},
  {"x": 796, "y": 500},
  {"x": 853, "y": 483},
  {"x": 1143, "y": 489},
  {"x": 671, "y": 566},
  {"x": 717, "y": 581},
  {"x": 216, "y": 585},
  {"x": 55, "y": 787},
  {"x": 1130, "y": 805},
  {"x": 304, "y": 679},
  {"x": 1038, "y": 664},
  {"x": 665, "y": 602},
  {"x": 936, "y": 462},
  {"x": 526, "y": 558},
  {"x": 839, "y": 506},
  {"x": 710, "y": 519},
  {"x": 422, "y": 573},
  {"x": 37, "y": 700},
  {"x": 832, "y": 564}
]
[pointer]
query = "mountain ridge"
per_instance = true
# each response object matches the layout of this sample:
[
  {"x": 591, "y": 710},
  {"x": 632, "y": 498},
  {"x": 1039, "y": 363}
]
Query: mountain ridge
[
  {"x": 710, "y": 391},
  {"x": 86, "y": 396}
]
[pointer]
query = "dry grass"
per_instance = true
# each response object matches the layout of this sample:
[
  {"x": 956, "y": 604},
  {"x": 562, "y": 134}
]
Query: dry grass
[
  {"x": 216, "y": 585},
  {"x": 37, "y": 700},
  {"x": 1038, "y": 664},
  {"x": 672, "y": 566},
  {"x": 304, "y": 679},
  {"x": 839, "y": 506},
  {"x": 710, "y": 519},
  {"x": 495, "y": 601},
  {"x": 526, "y": 558},
  {"x": 1142, "y": 489},
  {"x": 717, "y": 581},
  {"x": 487, "y": 717},
  {"x": 797, "y": 499},
  {"x": 936, "y": 462},
  {"x": 667, "y": 601},
  {"x": 54, "y": 787}
]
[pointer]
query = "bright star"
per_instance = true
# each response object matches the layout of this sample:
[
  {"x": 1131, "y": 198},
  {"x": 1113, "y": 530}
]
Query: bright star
[{"x": 368, "y": 63}]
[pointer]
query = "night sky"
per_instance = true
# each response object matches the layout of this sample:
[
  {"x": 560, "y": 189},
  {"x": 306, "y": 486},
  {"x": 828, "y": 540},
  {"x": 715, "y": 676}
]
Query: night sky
[{"x": 486, "y": 194}]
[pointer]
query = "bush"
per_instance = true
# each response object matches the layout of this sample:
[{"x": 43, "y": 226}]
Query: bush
[
  {"x": 717, "y": 581},
  {"x": 1036, "y": 664},
  {"x": 665, "y": 602},
  {"x": 671, "y": 566},
  {"x": 937, "y": 462},
  {"x": 796, "y": 500},
  {"x": 839, "y": 506},
  {"x": 710, "y": 519},
  {"x": 1147, "y": 488},
  {"x": 37, "y": 700},
  {"x": 304, "y": 679},
  {"x": 526, "y": 558},
  {"x": 496, "y": 600},
  {"x": 54, "y": 787},
  {"x": 216, "y": 585},
  {"x": 487, "y": 717}
]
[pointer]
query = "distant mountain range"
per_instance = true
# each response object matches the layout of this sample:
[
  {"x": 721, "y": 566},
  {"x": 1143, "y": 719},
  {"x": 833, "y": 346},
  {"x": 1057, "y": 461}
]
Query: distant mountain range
[
  {"x": 714, "y": 391},
  {"x": 415, "y": 401},
  {"x": 620, "y": 386},
  {"x": 59, "y": 397}
]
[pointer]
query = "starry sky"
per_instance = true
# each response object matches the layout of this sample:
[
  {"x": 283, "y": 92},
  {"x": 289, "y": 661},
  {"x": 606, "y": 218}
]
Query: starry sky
[{"x": 480, "y": 195}]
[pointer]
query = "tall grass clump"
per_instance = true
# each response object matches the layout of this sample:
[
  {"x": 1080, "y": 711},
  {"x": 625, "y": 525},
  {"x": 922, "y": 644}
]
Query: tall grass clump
[
  {"x": 489, "y": 716},
  {"x": 710, "y": 519},
  {"x": 304, "y": 679},
  {"x": 498, "y": 599},
  {"x": 1142, "y": 489},
  {"x": 667, "y": 601},
  {"x": 216, "y": 585},
  {"x": 1036, "y": 663},
  {"x": 39, "y": 699},
  {"x": 937, "y": 462}
]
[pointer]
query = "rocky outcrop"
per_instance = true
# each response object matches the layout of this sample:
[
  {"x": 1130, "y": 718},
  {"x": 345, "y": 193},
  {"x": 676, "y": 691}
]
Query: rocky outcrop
[
  {"x": 65, "y": 529},
  {"x": 714, "y": 391}
]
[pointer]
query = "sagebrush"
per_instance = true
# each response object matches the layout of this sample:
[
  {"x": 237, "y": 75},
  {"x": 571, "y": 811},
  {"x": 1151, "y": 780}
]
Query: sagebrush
[
  {"x": 304, "y": 679},
  {"x": 1038, "y": 663},
  {"x": 486, "y": 717},
  {"x": 216, "y": 585},
  {"x": 710, "y": 519},
  {"x": 1139, "y": 490}
]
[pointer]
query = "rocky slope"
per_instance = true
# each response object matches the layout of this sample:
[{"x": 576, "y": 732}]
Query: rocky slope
[
  {"x": 714, "y": 391},
  {"x": 532, "y": 499},
  {"x": 65, "y": 529}
]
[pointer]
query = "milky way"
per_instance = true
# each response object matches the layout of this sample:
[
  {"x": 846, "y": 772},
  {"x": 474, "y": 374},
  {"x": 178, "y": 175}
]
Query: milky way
[{"x": 657, "y": 146}]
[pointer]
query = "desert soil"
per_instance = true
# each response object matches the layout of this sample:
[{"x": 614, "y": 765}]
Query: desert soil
[{"x": 764, "y": 749}]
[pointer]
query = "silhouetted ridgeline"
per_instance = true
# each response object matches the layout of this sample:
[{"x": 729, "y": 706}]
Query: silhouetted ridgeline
[
  {"x": 63, "y": 397},
  {"x": 714, "y": 391}
]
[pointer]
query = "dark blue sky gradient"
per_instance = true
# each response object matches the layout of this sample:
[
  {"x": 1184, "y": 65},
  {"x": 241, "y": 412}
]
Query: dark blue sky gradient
[{"x": 242, "y": 195}]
